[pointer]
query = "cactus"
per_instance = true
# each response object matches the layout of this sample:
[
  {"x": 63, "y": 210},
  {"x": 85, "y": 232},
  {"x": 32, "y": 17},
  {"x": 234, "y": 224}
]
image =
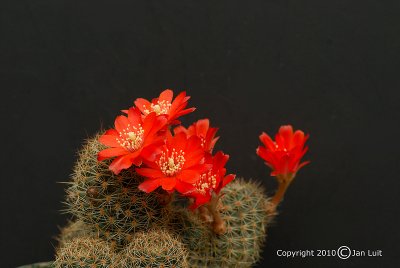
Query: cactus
[
  {"x": 247, "y": 213},
  {"x": 121, "y": 219},
  {"x": 190, "y": 228},
  {"x": 85, "y": 252},
  {"x": 72, "y": 230},
  {"x": 155, "y": 248},
  {"x": 245, "y": 209},
  {"x": 112, "y": 205}
]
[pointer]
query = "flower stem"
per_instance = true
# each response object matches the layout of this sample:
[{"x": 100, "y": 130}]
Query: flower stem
[
  {"x": 218, "y": 224},
  {"x": 205, "y": 214},
  {"x": 280, "y": 193},
  {"x": 284, "y": 182}
]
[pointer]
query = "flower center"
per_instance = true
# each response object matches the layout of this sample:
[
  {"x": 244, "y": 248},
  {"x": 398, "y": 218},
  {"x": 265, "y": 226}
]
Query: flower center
[
  {"x": 203, "y": 142},
  {"x": 171, "y": 163},
  {"x": 131, "y": 138},
  {"x": 161, "y": 107},
  {"x": 206, "y": 182},
  {"x": 281, "y": 149}
]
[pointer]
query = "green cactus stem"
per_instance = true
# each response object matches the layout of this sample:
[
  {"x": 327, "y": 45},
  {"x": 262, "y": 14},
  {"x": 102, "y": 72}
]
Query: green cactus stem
[
  {"x": 72, "y": 230},
  {"x": 85, "y": 252},
  {"x": 155, "y": 248},
  {"x": 110, "y": 204},
  {"x": 246, "y": 211}
]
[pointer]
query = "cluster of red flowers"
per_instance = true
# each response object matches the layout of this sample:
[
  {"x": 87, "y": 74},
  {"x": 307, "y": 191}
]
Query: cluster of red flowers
[
  {"x": 181, "y": 159},
  {"x": 174, "y": 158}
]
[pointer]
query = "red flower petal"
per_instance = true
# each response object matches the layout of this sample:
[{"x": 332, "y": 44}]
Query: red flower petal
[
  {"x": 149, "y": 185},
  {"x": 298, "y": 138},
  {"x": 110, "y": 152},
  {"x": 166, "y": 95},
  {"x": 149, "y": 173},
  {"x": 210, "y": 140},
  {"x": 267, "y": 141},
  {"x": 134, "y": 116},
  {"x": 284, "y": 137},
  {"x": 179, "y": 102},
  {"x": 121, "y": 122},
  {"x": 120, "y": 163},
  {"x": 194, "y": 158},
  {"x": 264, "y": 153},
  {"x": 202, "y": 126},
  {"x": 227, "y": 179},
  {"x": 168, "y": 183},
  {"x": 152, "y": 124},
  {"x": 142, "y": 104},
  {"x": 148, "y": 122},
  {"x": 111, "y": 131},
  {"x": 184, "y": 188},
  {"x": 200, "y": 200},
  {"x": 220, "y": 160},
  {"x": 150, "y": 152},
  {"x": 178, "y": 142},
  {"x": 188, "y": 176},
  {"x": 184, "y": 112},
  {"x": 302, "y": 165},
  {"x": 180, "y": 129},
  {"x": 109, "y": 140}
]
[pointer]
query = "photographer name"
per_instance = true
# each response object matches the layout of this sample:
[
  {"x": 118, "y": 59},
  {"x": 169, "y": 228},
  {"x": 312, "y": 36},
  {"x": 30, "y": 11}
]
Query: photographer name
[{"x": 343, "y": 252}]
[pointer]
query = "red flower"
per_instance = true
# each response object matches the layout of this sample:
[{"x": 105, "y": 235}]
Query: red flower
[
  {"x": 178, "y": 166},
  {"x": 284, "y": 154},
  {"x": 202, "y": 130},
  {"x": 212, "y": 180},
  {"x": 163, "y": 105},
  {"x": 133, "y": 139}
]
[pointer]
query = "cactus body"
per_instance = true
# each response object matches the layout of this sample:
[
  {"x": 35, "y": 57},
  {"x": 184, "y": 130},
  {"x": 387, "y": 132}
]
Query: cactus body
[
  {"x": 156, "y": 248},
  {"x": 245, "y": 211},
  {"x": 192, "y": 231},
  {"x": 73, "y": 230},
  {"x": 85, "y": 252},
  {"x": 112, "y": 205},
  {"x": 112, "y": 211}
]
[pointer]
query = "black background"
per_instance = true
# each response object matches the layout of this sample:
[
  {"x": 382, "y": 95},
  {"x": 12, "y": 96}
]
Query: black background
[{"x": 330, "y": 68}]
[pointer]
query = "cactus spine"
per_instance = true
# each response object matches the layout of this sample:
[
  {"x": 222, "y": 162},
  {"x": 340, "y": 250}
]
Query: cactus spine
[
  {"x": 112, "y": 205},
  {"x": 244, "y": 207},
  {"x": 85, "y": 252},
  {"x": 119, "y": 225},
  {"x": 72, "y": 230},
  {"x": 155, "y": 248}
]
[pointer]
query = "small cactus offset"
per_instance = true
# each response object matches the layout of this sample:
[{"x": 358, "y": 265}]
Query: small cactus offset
[
  {"x": 111, "y": 205},
  {"x": 148, "y": 193},
  {"x": 85, "y": 252},
  {"x": 73, "y": 230},
  {"x": 193, "y": 231},
  {"x": 155, "y": 248},
  {"x": 245, "y": 209}
]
